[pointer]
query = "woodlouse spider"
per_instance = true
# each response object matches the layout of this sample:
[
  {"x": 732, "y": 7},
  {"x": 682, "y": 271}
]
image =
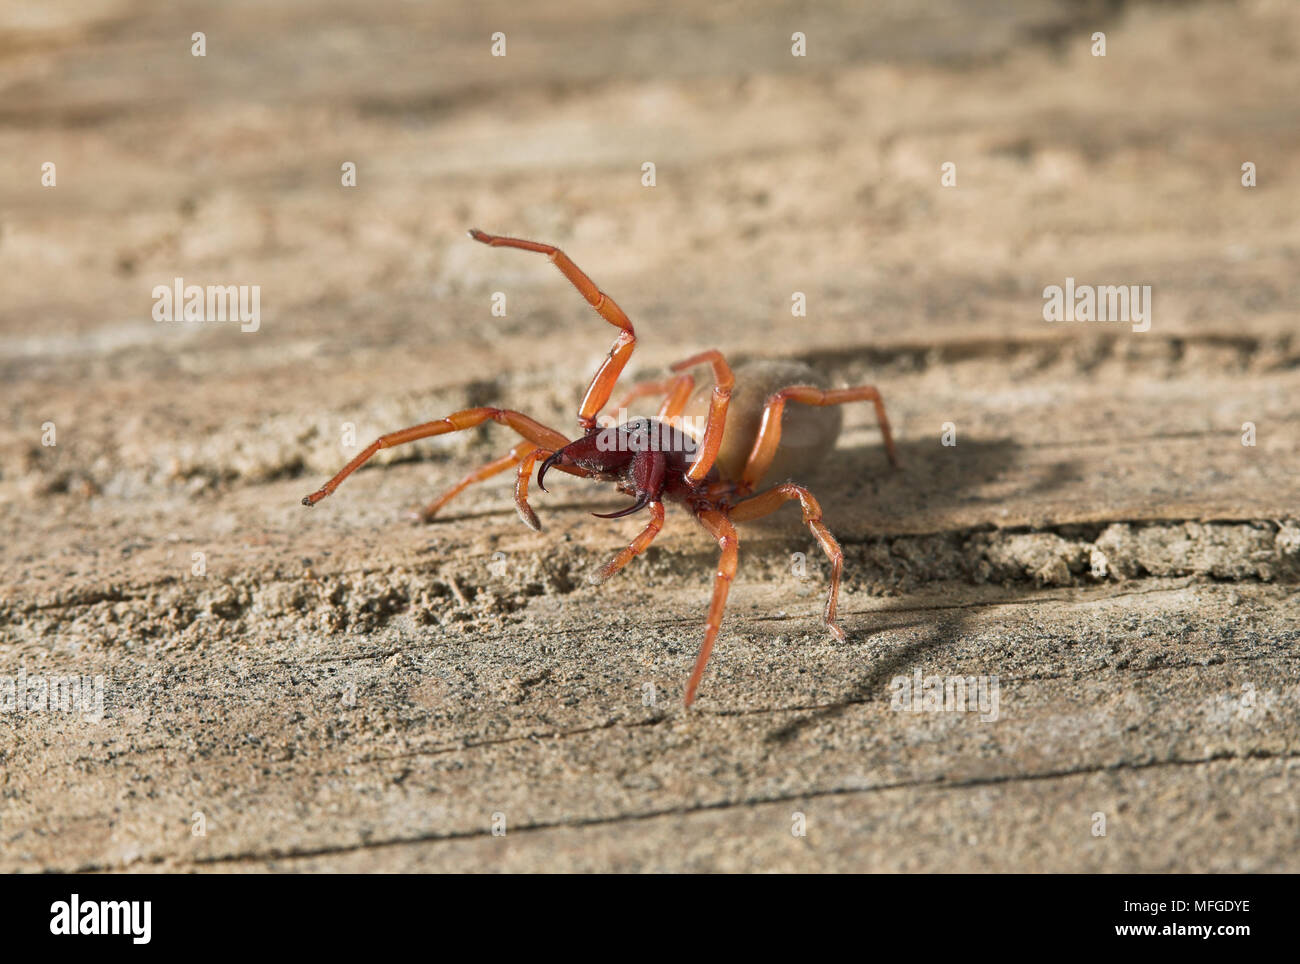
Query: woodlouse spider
[{"x": 739, "y": 423}]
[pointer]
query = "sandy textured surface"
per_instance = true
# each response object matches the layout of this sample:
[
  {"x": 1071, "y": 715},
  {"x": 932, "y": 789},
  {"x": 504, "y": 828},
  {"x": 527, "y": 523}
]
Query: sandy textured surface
[{"x": 338, "y": 689}]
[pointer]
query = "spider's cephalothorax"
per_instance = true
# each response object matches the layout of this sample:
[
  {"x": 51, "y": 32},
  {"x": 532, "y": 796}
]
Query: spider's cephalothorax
[
  {"x": 713, "y": 471},
  {"x": 648, "y": 458}
]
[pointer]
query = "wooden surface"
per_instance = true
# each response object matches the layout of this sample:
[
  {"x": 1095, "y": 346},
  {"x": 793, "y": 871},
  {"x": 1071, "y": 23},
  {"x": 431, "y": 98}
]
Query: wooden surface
[{"x": 343, "y": 690}]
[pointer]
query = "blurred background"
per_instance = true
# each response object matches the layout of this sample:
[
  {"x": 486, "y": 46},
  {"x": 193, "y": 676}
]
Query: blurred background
[{"x": 774, "y": 174}]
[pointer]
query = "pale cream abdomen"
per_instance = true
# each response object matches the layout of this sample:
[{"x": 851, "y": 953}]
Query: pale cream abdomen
[{"x": 808, "y": 432}]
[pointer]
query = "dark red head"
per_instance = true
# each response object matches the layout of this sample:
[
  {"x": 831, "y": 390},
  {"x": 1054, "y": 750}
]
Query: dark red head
[{"x": 644, "y": 456}]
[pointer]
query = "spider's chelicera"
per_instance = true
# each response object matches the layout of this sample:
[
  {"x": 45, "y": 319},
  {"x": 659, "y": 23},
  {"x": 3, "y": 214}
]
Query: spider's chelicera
[{"x": 713, "y": 473}]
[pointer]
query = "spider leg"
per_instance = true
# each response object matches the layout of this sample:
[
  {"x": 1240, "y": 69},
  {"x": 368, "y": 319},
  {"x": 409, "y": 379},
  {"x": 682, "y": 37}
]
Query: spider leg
[
  {"x": 679, "y": 393},
  {"x": 723, "y": 381},
  {"x": 636, "y": 546},
  {"x": 524, "y": 454},
  {"x": 769, "y": 431},
  {"x": 521, "y": 484},
  {"x": 768, "y": 502},
  {"x": 675, "y": 391},
  {"x": 642, "y": 389},
  {"x": 533, "y": 431},
  {"x": 602, "y": 385},
  {"x": 494, "y": 467},
  {"x": 720, "y": 527}
]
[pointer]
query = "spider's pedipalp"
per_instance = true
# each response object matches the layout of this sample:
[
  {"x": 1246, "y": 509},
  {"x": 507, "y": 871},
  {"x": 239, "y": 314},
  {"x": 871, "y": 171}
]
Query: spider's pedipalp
[
  {"x": 525, "y": 510},
  {"x": 478, "y": 475}
]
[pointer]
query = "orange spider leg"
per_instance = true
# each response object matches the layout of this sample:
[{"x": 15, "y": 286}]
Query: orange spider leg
[
  {"x": 723, "y": 381},
  {"x": 771, "y": 500},
  {"x": 720, "y": 527},
  {"x": 602, "y": 385},
  {"x": 678, "y": 394},
  {"x": 524, "y": 454},
  {"x": 521, "y": 485},
  {"x": 534, "y": 431},
  {"x": 642, "y": 389},
  {"x": 636, "y": 546},
  {"x": 675, "y": 391},
  {"x": 769, "y": 430},
  {"x": 478, "y": 475}
]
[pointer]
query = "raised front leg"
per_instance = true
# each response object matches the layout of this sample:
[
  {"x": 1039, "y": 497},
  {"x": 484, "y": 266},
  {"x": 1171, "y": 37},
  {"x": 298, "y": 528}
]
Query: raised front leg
[{"x": 602, "y": 385}]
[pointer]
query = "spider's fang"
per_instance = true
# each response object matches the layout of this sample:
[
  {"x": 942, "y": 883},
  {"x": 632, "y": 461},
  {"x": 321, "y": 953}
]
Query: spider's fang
[
  {"x": 636, "y": 506},
  {"x": 541, "y": 470}
]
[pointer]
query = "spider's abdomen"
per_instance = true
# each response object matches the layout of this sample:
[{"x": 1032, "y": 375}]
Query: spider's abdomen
[{"x": 808, "y": 433}]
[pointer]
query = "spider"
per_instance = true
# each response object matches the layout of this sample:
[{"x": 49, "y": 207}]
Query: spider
[{"x": 740, "y": 421}]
